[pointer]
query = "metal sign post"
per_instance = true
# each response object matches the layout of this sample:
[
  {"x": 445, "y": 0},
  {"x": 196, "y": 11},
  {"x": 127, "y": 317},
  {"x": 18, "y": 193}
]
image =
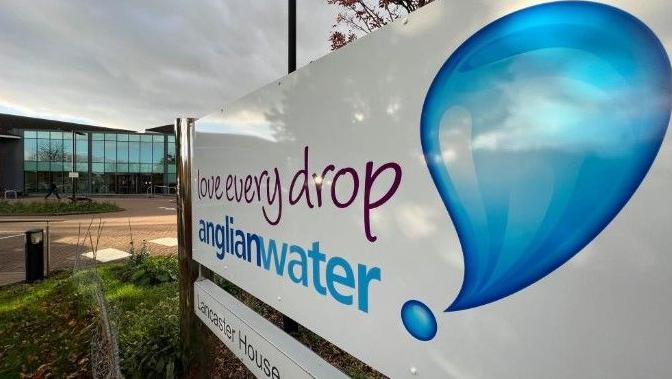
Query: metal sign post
[{"x": 193, "y": 343}]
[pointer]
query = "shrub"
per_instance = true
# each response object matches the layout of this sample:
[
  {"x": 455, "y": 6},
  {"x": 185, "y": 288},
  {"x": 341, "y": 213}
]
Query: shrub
[
  {"x": 147, "y": 321},
  {"x": 138, "y": 257},
  {"x": 145, "y": 270},
  {"x": 149, "y": 339},
  {"x": 8, "y": 208}
]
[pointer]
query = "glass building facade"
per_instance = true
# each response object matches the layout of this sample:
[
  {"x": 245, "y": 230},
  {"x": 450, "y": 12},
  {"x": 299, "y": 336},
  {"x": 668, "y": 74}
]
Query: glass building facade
[{"x": 107, "y": 162}]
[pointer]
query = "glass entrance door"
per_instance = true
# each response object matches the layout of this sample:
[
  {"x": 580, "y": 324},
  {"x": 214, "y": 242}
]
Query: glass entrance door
[
  {"x": 145, "y": 184},
  {"x": 134, "y": 183},
  {"x": 127, "y": 183}
]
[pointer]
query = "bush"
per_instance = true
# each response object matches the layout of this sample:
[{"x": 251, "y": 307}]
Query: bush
[
  {"x": 149, "y": 330},
  {"x": 144, "y": 270},
  {"x": 149, "y": 340},
  {"x": 9, "y": 208},
  {"x": 155, "y": 271},
  {"x": 147, "y": 320},
  {"x": 138, "y": 257}
]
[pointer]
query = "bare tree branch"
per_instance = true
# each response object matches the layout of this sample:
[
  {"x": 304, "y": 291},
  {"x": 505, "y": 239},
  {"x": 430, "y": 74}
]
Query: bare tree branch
[{"x": 359, "y": 17}]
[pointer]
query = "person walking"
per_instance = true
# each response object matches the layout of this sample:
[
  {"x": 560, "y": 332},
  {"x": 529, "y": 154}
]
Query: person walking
[{"x": 52, "y": 190}]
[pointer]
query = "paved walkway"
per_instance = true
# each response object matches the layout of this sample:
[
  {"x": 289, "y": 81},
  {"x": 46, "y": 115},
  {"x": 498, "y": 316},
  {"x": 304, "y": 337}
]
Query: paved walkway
[{"x": 151, "y": 219}]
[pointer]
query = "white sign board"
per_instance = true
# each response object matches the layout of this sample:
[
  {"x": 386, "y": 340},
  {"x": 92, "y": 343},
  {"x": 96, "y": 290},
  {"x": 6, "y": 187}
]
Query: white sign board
[
  {"x": 266, "y": 350},
  {"x": 481, "y": 191},
  {"x": 73, "y": 174}
]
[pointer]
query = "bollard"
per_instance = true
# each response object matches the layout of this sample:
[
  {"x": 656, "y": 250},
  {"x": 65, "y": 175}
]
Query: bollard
[{"x": 34, "y": 255}]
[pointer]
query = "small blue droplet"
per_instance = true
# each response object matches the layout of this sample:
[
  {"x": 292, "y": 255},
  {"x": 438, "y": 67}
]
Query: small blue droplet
[{"x": 418, "y": 320}]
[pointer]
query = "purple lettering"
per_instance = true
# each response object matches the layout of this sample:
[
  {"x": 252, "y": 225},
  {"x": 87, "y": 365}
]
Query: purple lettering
[
  {"x": 218, "y": 193},
  {"x": 257, "y": 182},
  {"x": 229, "y": 183},
  {"x": 304, "y": 187},
  {"x": 319, "y": 182},
  {"x": 371, "y": 176},
  {"x": 199, "y": 180},
  {"x": 248, "y": 187},
  {"x": 355, "y": 187},
  {"x": 270, "y": 200}
]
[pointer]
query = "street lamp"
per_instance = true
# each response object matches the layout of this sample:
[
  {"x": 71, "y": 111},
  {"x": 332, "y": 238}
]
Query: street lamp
[{"x": 73, "y": 170}]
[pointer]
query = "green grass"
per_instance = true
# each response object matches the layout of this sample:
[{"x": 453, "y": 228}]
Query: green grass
[
  {"x": 43, "y": 329},
  {"x": 63, "y": 207},
  {"x": 146, "y": 318},
  {"x": 47, "y": 327}
]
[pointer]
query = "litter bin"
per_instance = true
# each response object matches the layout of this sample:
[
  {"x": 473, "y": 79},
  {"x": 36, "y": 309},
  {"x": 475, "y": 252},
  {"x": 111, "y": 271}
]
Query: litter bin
[{"x": 34, "y": 255}]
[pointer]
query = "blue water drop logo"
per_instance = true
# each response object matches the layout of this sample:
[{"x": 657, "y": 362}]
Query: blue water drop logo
[
  {"x": 418, "y": 320},
  {"x": 537, "y": 131}
]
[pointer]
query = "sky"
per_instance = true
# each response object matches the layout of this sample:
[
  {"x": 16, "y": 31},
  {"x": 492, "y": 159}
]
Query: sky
[{"x": 139, "y": 64}]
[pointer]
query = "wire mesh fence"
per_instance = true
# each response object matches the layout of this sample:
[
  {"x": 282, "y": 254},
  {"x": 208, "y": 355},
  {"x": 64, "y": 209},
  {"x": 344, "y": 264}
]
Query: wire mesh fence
[{"x": 104, "y": 347}]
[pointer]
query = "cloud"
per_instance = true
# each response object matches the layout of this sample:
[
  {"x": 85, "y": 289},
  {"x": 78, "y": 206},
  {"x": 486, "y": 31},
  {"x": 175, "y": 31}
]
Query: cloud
[
  {"x": 135, "y": 65},
  {"x": 138, "y": 64},
  {"x": 247, "y": 122}
]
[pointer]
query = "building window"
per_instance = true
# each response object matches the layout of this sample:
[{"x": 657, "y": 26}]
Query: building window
[
  {"x": 67, "y": 153},
  {"x": 29, "y": 149},
  {"x": 82, "y": 147},
  {"x": 122, "y": 152},
  {"x": 145, "y": 152},
  {"x": 171, "y": 154},
  {"x": 48, "y": 158},
  {"x": 110, "y": 152},
  {"x": 43, "y": 150},
  {"x": 158, "y": 155},
  {"x": 30, "y": 178},
  {"x": 98, "y": 151},
  {"x": 120, "y": 162},
  {"x": 43, "y": 180},
  {"x": 30, "y": 165}
]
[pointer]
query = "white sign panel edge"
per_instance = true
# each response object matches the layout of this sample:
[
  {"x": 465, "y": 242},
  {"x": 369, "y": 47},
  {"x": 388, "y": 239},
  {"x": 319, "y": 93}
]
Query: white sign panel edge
[{"x": 283, "y": 356}]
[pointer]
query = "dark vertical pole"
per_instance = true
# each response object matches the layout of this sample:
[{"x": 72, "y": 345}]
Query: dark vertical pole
[
  {"x": 291, "y": 37},
  {"x": 290, "y": 326}
]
